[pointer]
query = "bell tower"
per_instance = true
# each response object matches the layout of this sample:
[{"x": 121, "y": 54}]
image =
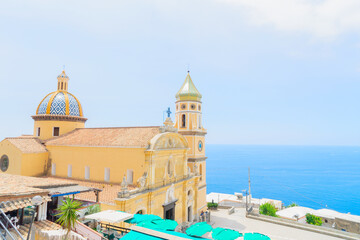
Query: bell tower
[{"x": 188, "y": 121}]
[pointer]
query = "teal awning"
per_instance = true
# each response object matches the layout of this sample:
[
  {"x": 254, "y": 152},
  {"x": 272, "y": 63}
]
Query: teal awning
[
  {"x": 255, "y": 236},
  {"x": 198, "y": 229},
  {"x": 160, "y": 224},
  {"x": 133, "y": 235},
  {"x": 138, "y": 218},
  {"x": 225, "y": 234}
]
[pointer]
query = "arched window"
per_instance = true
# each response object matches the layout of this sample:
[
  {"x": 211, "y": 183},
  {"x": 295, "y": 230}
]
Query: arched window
[
  {"x": 62, "y": 85},
  {"x": 200, "y": 172},
  {"x": 183, "y": 120},
  {"x": 58, "y": 85},
  {"x": 65, "y": 87}
]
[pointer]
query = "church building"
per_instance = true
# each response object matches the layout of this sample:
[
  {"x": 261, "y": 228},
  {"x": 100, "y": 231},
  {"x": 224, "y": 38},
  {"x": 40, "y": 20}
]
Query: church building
[{"x": 158, "y": 170}]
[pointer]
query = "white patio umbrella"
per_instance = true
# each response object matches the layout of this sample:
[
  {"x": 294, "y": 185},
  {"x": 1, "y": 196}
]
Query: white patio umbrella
[{"x": 110, "y": 216}]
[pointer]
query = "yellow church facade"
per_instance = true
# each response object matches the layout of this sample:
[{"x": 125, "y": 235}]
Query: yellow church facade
[{"x": 161, "y": 169}]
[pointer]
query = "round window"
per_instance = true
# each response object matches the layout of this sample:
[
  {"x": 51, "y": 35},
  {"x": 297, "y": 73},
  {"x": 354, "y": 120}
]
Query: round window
[
  {"x": 183, "y": 106},
  {"x": 4, "y": 163},
  {"x": 200, "y": 145},
  {"x": 193, "y": 106}
]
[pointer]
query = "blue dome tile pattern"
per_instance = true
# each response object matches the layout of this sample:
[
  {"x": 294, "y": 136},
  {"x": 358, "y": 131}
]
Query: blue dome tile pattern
[
  {"x": 73, "y": 106},
  {"x": 43, "y": 105},
  {"x": 59, "y": 104}
]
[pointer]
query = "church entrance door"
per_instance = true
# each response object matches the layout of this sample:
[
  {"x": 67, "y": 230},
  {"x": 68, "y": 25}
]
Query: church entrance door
[
  {"x": 189, "y": 214},
  {"x": 169, "y": 211}
]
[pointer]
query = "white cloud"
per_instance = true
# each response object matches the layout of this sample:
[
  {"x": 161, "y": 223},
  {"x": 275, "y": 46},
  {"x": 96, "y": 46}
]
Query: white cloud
[{"x": 321, "y": 18}]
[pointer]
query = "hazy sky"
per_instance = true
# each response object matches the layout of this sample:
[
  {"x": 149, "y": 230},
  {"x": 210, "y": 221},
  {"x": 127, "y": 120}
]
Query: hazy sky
[{"x": 270, "y": 72}]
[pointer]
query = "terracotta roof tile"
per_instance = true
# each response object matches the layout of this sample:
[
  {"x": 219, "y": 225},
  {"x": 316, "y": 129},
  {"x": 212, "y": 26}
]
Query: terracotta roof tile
[
  {"x": 107, "y": 137},
  {"x": 28, "y": 144},
  {"x": 15, "y": 185},
  {"x": 107, "y": 195}
]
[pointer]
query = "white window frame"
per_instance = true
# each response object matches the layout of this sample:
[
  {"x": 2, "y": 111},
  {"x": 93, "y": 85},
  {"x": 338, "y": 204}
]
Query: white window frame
[
  {"x": 53, "y": 169},
  {"x": 69, "y": 170},
  {"x": 87, "y": 172},
  {"x": 107, "y": 174},
  {"x": 130, "y": 176}
]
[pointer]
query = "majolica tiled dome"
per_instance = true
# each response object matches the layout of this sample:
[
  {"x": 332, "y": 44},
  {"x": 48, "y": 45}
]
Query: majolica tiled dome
[{"x": 60, "y": 102}]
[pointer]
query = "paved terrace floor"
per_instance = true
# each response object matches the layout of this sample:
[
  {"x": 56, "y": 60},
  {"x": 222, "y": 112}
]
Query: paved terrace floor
[{"x": 239, "y": 222}]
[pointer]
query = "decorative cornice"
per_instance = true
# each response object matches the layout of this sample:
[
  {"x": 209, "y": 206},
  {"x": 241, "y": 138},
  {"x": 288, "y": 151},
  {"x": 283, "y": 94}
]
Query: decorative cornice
[
  {"x": 202, "y": 187},
  {"x": 192, "y": 133},
  {"x": 201, "y": 159},
  {"x": 48, "y": 117}
]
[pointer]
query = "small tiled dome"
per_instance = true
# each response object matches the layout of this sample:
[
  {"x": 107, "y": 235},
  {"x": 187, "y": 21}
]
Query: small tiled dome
[{"x": 60, "y": 103}]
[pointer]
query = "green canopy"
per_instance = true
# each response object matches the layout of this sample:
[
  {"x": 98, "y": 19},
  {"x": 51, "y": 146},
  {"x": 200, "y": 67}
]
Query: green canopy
[
  {"x": 198, "y": 229},
  {"x": 138, "y": 218},
  {"x": 225, "y": 234},
  {"x": 161, "y": 224},
  {"x": 255, "y": 236}
]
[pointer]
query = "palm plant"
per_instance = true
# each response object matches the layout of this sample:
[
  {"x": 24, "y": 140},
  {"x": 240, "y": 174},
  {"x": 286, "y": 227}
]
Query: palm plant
[{"x": 68, "y": 214}]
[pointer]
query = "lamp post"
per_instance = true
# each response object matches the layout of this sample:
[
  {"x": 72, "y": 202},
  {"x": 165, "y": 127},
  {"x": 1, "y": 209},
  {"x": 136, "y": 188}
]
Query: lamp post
[
  {"x": 35, "y": 201},
  {"x": 246, "y": 200}
]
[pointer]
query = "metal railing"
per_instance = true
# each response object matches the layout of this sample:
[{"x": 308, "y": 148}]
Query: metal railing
[
  {"x": 5, "y": 226},
  {"x": 114, "y": 228}
]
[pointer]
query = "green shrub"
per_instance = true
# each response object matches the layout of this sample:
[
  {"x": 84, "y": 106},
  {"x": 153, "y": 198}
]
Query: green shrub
[
  {"x": 268, "y": 209},
  {"x": 212, "y": 205},
  {"x": 314, "y": 220},
  {"x": 93, "y": 209},
  {"x": 292, "y": 205}
]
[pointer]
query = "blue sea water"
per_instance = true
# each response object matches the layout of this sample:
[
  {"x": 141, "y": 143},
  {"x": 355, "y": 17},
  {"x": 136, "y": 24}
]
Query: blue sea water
[{"x": 312, "y": 176}]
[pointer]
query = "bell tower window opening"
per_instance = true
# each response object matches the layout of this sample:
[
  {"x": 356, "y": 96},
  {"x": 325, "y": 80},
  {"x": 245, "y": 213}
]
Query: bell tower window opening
[
  {"x": 200, "y": 172},
  {"x": 65, "y": 87},
  {"x": 62, "y": 86},
  {"x": 183, "y": 120},
  {"x": 56, "y": 131}
]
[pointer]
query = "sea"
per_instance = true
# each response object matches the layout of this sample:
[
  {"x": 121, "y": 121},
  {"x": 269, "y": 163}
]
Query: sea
[{"x": 310, "y": 176}]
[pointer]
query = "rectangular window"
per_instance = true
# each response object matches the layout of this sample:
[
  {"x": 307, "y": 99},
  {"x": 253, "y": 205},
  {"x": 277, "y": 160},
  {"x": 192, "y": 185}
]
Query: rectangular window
[
  {"x": 69, "y": 170},
  {"x": 38, "y": 132},
  {"x": 87, "y": 172},
  {"x": 107, "y": 175},
  {"x": 53, "y": 169},
  {"x": 129, "y": 176},
  {"x": 56, "y": 131}
]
